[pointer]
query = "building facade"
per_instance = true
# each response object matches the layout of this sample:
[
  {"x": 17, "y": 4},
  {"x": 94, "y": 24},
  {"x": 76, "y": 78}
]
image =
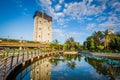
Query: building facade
[{"x": 42, "y": 27}]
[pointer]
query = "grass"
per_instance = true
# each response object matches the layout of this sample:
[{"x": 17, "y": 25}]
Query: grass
[{"x": 16, "y": 40}]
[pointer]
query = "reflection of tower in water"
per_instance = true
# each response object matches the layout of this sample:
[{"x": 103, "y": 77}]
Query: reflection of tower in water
[{"x": 41, "y": 70}]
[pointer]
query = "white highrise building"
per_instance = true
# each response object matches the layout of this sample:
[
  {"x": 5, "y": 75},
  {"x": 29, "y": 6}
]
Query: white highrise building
[
  {"x": 42, "y": 27},
  {"x": 111, "y": 31}
]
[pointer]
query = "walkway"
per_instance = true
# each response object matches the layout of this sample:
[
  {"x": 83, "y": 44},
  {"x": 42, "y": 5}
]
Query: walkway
[{"x": 12, "y": 60}]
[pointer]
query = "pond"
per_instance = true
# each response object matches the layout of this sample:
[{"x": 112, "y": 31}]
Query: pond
[{"x": 71, "y": 67}]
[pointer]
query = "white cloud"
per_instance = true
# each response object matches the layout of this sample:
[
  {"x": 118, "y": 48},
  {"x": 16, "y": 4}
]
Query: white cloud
[
  {"x": 78, "y": 9},
  {"x": 115, "y": 5},
  {"x": 106, "y": 24},
  {"x": 112, "y": 22},
  {"x": 101, "y": 18},
  {"x": 45, "y": 2},
  {"x": 54, "y": 14},
  {"x": 58, "y": 32},
  {"x": 75, "y": 10},
  {"x": 75, "y": 34},
  {"x": 58, "y": 16},
  {"x": 91, "y": 26},
  {"x": 66, "y": 5},
  {"x": 109, "y": 24},
  {"x": 57, "y": 7},
  {"x": 61, "y": 21},
  {"x": 61, "y": 1},
  {"x": 90, "y": 1}
]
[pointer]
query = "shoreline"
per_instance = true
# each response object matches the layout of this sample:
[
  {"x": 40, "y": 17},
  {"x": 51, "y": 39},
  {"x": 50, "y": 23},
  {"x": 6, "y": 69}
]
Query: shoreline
[
  {"x": 67, "y": 52},
  {"x": 114, "y": 56}
]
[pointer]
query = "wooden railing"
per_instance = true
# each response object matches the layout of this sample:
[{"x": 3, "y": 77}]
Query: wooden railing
[{"x": 10, "y": 60}]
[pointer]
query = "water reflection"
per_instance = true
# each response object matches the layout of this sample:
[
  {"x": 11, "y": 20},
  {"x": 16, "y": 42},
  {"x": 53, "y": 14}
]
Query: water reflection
[
  {"x": 68, "y": 59},
  {"x": 40, "y": 70},
  {"x": 102, "y": 67},
  {"x": 70, "y": 67}
]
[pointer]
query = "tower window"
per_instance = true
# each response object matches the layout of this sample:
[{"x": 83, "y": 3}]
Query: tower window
[
  {"x": 48, "y": 34},
  {"x": 39, "y": 36},
  {"x": 39, "y": 28}
]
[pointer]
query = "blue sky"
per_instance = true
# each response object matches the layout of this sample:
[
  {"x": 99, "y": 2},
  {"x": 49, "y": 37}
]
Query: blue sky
[{"x": 71, "y": 18}]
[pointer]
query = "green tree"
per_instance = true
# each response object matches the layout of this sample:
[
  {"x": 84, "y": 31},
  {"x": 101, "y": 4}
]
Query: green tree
[
  {"x": 98, "y": 36},
  {"x": 109, "y": 37},
  {"x": 110, "y": 41},
  {"x": 85, "y": 45},
  {"x": 115, "y": 45},
  {"x": 90, "y": 43},
  {"x": 92, "y": 46},
  {"x": 117, "y": 42},
  {"x": 55, "y": 45},
  {"x": 77, "y": 46},
  {"x": 71, "y": 45}
]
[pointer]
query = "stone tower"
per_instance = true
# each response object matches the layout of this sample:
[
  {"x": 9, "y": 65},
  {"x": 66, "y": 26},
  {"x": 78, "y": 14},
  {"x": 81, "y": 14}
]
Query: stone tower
[{"x": 42, "y": 27}]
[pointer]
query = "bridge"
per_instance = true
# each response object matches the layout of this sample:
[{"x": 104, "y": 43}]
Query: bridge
[{"x": 9, "y": 61}]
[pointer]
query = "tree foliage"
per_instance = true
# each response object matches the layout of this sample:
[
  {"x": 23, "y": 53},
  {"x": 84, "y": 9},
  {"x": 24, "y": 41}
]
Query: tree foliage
[
  {"x": 103, "y": 40},
  {"x": 55, "y": 45},
  {"x": 71, "y": 45},
  {"x": 100, "y": 47}
]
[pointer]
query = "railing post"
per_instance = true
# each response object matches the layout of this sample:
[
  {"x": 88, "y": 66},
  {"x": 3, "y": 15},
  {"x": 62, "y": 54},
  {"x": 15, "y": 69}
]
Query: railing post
[
  {"x": 23, "y": 57},
  {"x": 31, "y": 54},
  {"x": 41, "y": 52},
  {"x": 4, "y": 65},
  {"x": 12, "y": 61},
  {"x": 17, "y": 58},
  {"x": 46, "y": 50},
  {"x": 35, "y": 53},
  {"x": 38, "y": 53},
  {"x": 27, "y": 54}
]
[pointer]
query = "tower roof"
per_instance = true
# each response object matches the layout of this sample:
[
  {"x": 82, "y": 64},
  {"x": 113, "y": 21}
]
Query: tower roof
[{"x": 47, "y": 17}]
